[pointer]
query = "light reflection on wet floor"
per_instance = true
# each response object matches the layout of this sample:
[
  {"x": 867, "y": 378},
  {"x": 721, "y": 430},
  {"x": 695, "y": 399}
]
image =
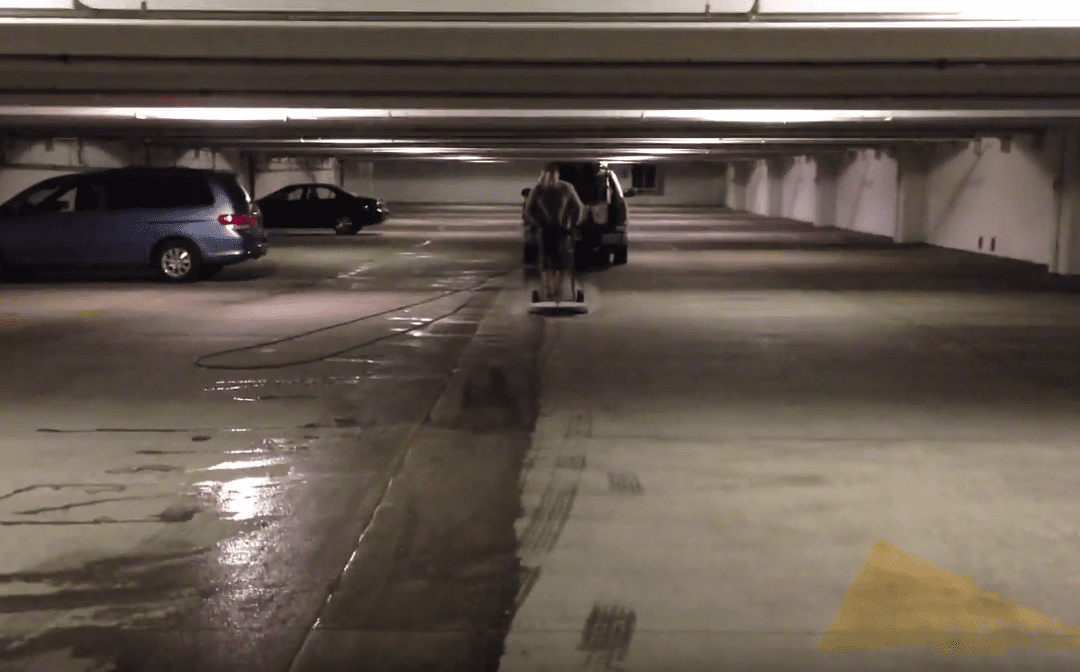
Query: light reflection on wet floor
[{"x": 243, "y": 498}]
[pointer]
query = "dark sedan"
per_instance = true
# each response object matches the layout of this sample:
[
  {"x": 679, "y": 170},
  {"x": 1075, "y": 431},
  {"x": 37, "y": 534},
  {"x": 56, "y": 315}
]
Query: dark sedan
[{"x": 320, "y": 206}]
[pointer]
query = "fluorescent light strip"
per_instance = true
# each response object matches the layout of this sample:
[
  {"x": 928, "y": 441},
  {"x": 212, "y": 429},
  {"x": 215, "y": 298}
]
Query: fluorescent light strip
[{"x": 732, "y": 116}]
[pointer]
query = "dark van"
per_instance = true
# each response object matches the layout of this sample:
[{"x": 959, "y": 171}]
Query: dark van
[{"x": 603, "y": 228}]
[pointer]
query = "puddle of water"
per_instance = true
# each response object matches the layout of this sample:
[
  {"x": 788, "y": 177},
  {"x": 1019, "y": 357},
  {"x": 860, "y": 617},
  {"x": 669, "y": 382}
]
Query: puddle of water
[
  {"x": 413, "y": 320},
  {"x": 247, "y": 464},
  {"x": 236, "y": 386},
  {"x": 275, "y": 445},
  {"x": 275, "y": 397},
  {"x": 242, "y": 498},
  {"x": 413, "y": 377}
]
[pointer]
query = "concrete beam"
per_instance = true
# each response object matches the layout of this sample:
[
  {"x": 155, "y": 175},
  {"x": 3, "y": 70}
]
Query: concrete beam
[{"x": 569, "y": 42}]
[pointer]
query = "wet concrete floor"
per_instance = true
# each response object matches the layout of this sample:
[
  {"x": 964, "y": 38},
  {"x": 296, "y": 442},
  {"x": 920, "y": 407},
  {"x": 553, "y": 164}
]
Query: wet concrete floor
[
  {"x": 244, "y": 474},
  {"x": 363, "y": 453}
]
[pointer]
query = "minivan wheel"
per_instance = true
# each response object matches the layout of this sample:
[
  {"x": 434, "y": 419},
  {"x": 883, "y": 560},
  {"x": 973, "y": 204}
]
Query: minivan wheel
[
  {"x": 619, "y": 256},
  {"x": 344, "y": 226},
  {"x": 178, "y": 261}
]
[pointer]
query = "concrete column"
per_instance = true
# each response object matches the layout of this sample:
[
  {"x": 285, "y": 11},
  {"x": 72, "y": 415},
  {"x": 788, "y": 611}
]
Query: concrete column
[
  {"x": 777, "y": 168},
  {"x": 1065, "y": 259},
  {"x": 828, "y": 174},
  {"x": 738, "y": 177},
  {"x": 367, "y": 176},
  {"x": 912, "y": 204}
]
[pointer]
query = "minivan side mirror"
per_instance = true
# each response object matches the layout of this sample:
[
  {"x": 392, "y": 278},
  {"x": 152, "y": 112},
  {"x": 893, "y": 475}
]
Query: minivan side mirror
[
  {"x": 525, "y": 192},
  {"x": 630, "y": 193}
]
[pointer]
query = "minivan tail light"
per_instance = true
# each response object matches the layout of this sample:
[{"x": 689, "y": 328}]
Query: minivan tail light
[{"x": 236, "y": 221}]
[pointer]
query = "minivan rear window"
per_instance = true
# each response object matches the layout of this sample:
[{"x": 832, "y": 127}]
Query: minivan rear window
[
  {"x": 241, "y": 202},
  {"x": 179, "y": 189}
]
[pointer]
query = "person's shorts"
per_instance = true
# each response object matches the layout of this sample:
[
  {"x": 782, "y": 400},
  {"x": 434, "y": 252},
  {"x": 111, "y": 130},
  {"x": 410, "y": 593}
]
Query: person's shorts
[{"x": 557, "y": 248}]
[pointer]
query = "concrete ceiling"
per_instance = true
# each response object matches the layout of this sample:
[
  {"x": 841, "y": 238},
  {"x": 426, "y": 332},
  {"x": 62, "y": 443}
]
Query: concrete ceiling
[{"x": 534, "y": 87}]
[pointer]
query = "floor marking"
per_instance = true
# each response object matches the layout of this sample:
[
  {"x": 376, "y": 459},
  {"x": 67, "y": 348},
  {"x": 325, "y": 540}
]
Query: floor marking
[
  {"x": 624, "y": 483},
  {"x": 901, "y": 600},
  {"x": 548, "y": 520},
  {"x": 607, "y": 634}
]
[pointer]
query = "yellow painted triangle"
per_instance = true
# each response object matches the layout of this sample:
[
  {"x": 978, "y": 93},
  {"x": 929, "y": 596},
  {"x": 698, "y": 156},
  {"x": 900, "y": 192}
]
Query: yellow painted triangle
[{"x": 901, "y": 600}]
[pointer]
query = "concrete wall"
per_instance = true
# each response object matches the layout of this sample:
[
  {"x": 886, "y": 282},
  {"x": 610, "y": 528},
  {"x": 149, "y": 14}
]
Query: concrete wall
[
  {"x": 462, "y": 182},
  {"x": 757, "y": 188},
  {"x": 698, "y": 183},
  {"x": 25, "y": 163},
  {"x": 1005, "y": 198},
  {"x": 866, "y": 194},
  {"x": 950, "y": 195},
  {"x": 800, "y": 191},
  {"x": 274, "y": 173},
  {"x": 455, "y": 182}
]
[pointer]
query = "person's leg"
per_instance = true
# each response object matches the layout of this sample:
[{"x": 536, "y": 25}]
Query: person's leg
[
  {"x": 544, "y": 263},
  {"x": 551, "y": 262},
  {"x": 566, "y": 259}
]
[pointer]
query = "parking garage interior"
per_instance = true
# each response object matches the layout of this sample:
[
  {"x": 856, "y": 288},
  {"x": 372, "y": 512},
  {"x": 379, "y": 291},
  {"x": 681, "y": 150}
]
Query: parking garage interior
[{"x": 822, "y": 419}]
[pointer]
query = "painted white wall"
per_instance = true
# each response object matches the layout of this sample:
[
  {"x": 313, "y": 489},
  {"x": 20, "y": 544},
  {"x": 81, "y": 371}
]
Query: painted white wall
[
  {"x": 757, "y": 188},
  {"x": 799, "y": 190},
  {"x": 866, "y": 192},
  {"x": 986, "y": 192}
]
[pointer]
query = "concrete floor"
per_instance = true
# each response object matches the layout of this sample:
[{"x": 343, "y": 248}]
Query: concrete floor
[{"x": 760, "y": 434}]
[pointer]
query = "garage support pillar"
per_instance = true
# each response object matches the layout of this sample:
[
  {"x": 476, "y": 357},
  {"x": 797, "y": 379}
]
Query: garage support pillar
[
  {"x": 1065, "y": 259},
  {"x": 738, "y": 177},
  {"x": 777, "y": 167},
  {"x": 828, "y": 174},
  {"x": 912, "y": 205}
]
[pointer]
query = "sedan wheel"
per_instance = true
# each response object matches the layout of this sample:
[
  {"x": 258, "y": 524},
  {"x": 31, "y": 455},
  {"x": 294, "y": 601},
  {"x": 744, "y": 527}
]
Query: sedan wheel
[
  {"x": 178, "y": 262},
  {"x": 344, "y": 226}
]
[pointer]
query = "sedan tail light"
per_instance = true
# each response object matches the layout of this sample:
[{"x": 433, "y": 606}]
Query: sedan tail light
[{"x": 237, "y": 221}]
